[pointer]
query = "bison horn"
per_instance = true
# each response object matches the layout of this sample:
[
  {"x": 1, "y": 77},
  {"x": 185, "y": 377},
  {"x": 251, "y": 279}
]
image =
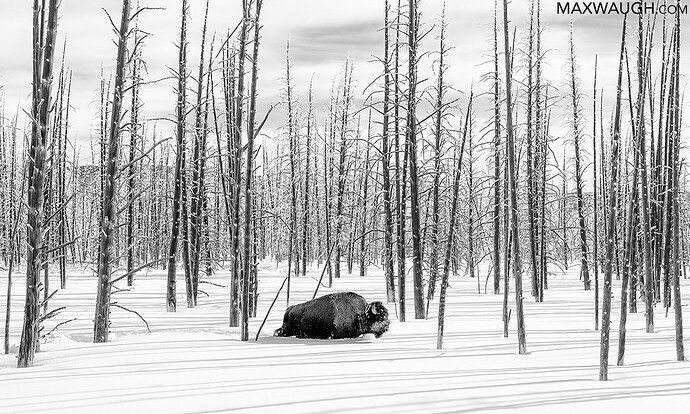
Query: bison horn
[{"x": 373, "y": 309}]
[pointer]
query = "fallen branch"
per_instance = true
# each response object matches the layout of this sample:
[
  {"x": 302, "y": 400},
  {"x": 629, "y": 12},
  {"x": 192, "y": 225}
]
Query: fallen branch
[
  {"x": 269, "y": 309},
  {"x": 118, "y": 290},
  {"x": 51, "y": 314},
  {"x": 134, "y": 312},
  {"x": 44, "y": 301},
  {"x": 211, "y": 283},
  {"x": 112, "y": 282},
  {"x": 59, "y": 325}
]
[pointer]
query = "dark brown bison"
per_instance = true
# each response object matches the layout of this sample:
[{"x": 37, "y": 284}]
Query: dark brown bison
[{"x": 335, "y": 316}]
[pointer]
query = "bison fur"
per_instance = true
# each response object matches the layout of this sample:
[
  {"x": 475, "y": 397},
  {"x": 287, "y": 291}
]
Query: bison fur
[{"x": 335, "y": 316}]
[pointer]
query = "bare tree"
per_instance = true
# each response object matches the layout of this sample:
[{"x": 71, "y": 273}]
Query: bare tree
[
  {"x": 385, "y": 166},
  {"x": 595, "y": 232},
  {"x": 675, "y": 172},
  {"x": 438, "y": 143},
  {"x": 43, "y": 51},
  {"x": 196, "y": 214},
  {"x": 307, "y": 176},
  {"x": 611, "y": 223},
  {"x": 293, "y": 139},
  {"x": 109, "y": 216},
  {"x": 512, "y": 183},
  {"x": 644, "y": 202},
  {"x": 411, "y": 142},
  {"x": 133, "y": 135},
  {"x": 236, "y": 101},
  {"x": 180, "y": 162},
  {"x": 496, "y": 256},
  {"x": 342, "y": 156},
  {"x": 248, "y": 189},
  {"x": 577, "y": 138},
  {"x": 365, "y": 201},
  {"x": 531, "y": 181},
  {"x": 451, "y": 231}
]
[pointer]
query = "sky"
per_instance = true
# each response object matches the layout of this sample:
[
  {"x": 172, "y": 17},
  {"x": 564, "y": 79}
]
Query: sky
[{"x": 322, "y": 33}]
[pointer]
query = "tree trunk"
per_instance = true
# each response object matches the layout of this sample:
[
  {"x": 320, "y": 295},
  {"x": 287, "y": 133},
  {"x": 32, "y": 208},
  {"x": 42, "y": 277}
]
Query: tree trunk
[
  {"x": 512, "y": 182},
  {"x": 438, "y": 143},
  {"x": 196, "y": 216},
  {"x": 411, "y": 140},
  {"x": 248, "y": 190},
  {"x": 365, "y": 200},
  {"x": 180, "y": 162},
  {"x": 611, "y": 223},
  {"x": 451, "y": 231},
  {"x": 584, "y": 269},
  {"x": 307, "y": 176},
  {"x": 43, "y": 51},
  {"x": 595, "y": 258},
  {"x": 109, "y": 216},
  {"x": 385, "y": 169},
  {"x": 496, "y": 256}
]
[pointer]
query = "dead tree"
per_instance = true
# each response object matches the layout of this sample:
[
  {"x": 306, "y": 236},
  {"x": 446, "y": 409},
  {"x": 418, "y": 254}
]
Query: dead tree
[
  {"x": 438, "y": 143},
  {"x": 43, "y": 51},
  {"x": 400, "y": 172},
  {"x": 644, "y": 183},
  {"x": 253, "y": 131},
  {"x": 471, "y": 202},
  {"x": 531, "y": 182},
  {"x": 542, "y": 136},
  {"x": 496, "y": 256},
  {"x": 109, "y": 216},
  {"x": 451, "y": 231},
  {"x": 326, "y": 199},
  {"x": 197, "y": 198},
  {"x": 236, "y": 103},
  {"x": 292, "y": 137},
  {"x": 365, "y": 201},
  {"x": 180, "y": 164},
  {"x": 577, "y": 138},
  {"x": 411, "y": 142},
  {"x": 342, "y": 174},
  {"x": 307, "y": 176},
  {"x": 611, "y": 223},
  {"x": 385, "y": 167},
  {"x": 675, "y": 172},
  {"x": 13, "y": 232},
  {"x": 512, "y": 183},
  {"x": 131, "y": 179},
  {"x": 595, "y": 228}
]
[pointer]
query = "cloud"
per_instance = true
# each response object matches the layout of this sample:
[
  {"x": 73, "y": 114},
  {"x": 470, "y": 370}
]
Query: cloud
[{"x": 322, "y": 33}]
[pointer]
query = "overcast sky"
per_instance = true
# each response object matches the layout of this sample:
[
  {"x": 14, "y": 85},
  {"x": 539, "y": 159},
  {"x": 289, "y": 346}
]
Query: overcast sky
[{"x": 322, "y": 33}]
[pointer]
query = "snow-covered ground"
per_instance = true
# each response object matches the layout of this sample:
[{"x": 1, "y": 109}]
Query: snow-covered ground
[{"x": 192, "y": 362}]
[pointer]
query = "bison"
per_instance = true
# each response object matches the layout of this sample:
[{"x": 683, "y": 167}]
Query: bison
[{"x": 335, "y": 316}]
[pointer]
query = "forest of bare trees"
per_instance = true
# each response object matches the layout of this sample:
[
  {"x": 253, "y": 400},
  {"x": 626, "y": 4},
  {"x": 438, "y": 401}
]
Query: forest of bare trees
[{"x": 403, "y": 173}]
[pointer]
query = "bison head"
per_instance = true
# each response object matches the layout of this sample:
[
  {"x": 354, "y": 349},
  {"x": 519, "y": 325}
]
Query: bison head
[{"x": 376, "y": 319}]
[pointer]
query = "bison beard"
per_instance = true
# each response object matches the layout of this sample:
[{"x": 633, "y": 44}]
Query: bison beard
[{"x": 336, "y": 316}]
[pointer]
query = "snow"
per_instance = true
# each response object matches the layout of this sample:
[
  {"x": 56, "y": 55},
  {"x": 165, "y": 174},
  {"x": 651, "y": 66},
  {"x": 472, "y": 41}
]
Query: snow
[{"x": 192, "y": 362}]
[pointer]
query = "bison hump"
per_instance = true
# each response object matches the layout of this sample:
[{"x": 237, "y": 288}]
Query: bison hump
[{"x": 348, "y": 307}]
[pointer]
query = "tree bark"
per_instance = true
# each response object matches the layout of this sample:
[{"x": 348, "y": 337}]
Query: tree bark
[
  {"x": 611, "y": 223},
  {"x": 411, "y": 140},
  {"x": 180, "y": 162},
  {"x": 109, "y": 216},
  {"x": 512, "y": 182},
  {"x": 385, "y": 170},
  {"x": 451, "y": 232},
  {"x": 43, "y": 51}
]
